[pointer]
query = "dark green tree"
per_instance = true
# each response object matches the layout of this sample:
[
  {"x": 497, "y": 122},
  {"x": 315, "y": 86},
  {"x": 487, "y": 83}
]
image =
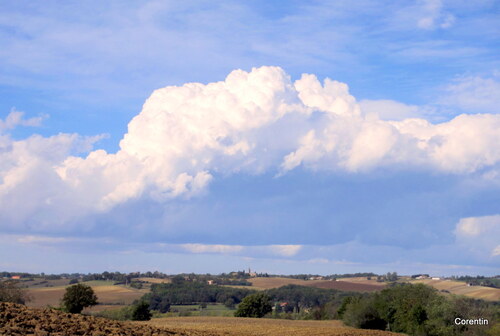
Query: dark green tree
[
  {"x": 78, "y": 297},
  {"x": 255, "y": 305},
  {"x": 11, "y": 292},
  {"x": 140, "y": 312}
]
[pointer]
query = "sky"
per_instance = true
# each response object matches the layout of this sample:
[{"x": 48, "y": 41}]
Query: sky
[{"x": 287, "y": 137}]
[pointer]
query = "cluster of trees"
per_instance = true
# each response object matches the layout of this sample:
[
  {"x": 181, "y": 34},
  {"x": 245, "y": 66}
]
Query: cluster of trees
[
  {"x": 234, "y": 279},
  {"x": 416, "y": 310},
  {"x": 480, "y": 280},
  {"x": 292, "y": 302},
  {"x": 298, "y": 298},
  {"x": 388, "y": 277},
  {"x": 329, "y": 277},
  {"x": 11, "y": 274},
  {"x": 232, "y": 282},
  {"x": 113, "y": 276},
  {"x": 187, "y": 292},
  {"x": 299, "y": 276},
  {"x": 294, "y": 298},
  {"x": 122, "y": 277}
]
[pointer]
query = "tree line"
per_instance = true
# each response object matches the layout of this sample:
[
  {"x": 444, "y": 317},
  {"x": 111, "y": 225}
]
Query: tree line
[
  {"x": 418, "y": 310},
  {"x": 192, "y": 292}
]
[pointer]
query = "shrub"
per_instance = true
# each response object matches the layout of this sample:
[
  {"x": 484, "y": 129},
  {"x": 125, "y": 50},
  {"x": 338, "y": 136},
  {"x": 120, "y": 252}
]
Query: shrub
[
  {"x": 11, "y": 292},
  {"x": 120, "y": 314},
  {"x": 140, "y": 312},
  {"x": 255, "y": 305},
  {"x": 361, "y": 313},
  {"x": 136, "y": 285}
]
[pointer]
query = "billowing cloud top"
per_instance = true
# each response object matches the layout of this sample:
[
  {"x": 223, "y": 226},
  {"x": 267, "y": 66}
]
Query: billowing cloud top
[{"x": 251, "y": 122}]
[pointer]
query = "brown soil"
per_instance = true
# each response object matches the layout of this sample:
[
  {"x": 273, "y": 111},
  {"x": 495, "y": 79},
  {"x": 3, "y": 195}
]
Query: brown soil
[
  {"x": 17, "y": 320},
  {"x": 346, "y": 286},
  {"x": 234, "y": 326}
]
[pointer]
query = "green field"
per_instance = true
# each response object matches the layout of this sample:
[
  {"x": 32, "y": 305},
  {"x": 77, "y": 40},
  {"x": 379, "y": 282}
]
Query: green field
[
  {"x": 95, "y": 283},
  {"x": 196, "y": 310}
]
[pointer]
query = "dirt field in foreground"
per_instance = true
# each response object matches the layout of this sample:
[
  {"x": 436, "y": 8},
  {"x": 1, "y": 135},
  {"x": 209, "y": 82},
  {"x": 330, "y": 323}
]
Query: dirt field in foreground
[
  {"x": 17, "y": 320},
  {"x": 233, "y": 326}
]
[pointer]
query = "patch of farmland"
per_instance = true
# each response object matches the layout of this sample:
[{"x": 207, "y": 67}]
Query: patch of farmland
[
  {"x": 95, "y": 283},
  {"x": 217, "y": 309},
  {"x": 268, "y": 283},
  {"x": 153, "y": 280},
  {"x": 106, "y": 295},
  {"x": 461, "y": 288},
  {"x": 230, "y": 326},
  {"x": 363, "y": 280},
  {"x": 41, "y": 282},
  {"x": 344, "y": 285}
]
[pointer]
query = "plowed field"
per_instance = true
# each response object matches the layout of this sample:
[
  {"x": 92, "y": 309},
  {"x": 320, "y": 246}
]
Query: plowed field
[{"x": 17, "y": 320}]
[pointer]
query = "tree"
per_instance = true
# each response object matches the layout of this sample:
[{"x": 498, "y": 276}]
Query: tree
[
  {"x": 78, "y": 297},
  {"x": 360, "y": 312},
  {"x": 10, "y": 292},
  {"x": 255, "y": 305},
  {"x": 140, "y": 312}
]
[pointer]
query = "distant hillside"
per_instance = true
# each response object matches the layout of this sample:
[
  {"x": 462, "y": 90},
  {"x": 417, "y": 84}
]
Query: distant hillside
[
  {"x": 462, "y": 288},
  {"x": 347, "y": 284}
]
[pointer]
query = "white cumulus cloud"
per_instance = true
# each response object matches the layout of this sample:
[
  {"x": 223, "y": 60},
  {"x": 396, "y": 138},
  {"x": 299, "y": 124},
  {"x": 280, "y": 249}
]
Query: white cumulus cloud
[
  {"x": 251, "y": 122},
  {"x": 479, "y": 235}
]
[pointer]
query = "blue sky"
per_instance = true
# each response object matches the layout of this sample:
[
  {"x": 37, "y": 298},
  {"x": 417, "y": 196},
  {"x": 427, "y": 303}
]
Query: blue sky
[{"x": 321, "y": 136}]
